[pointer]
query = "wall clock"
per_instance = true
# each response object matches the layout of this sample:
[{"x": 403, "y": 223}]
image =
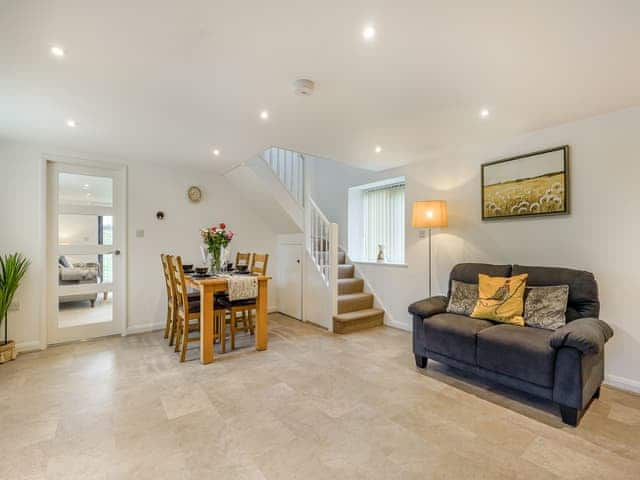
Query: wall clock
[{"x": 195, "y": 194}]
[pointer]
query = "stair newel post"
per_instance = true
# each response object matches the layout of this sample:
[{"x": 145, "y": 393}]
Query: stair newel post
[{"x": 333, "y": 270}]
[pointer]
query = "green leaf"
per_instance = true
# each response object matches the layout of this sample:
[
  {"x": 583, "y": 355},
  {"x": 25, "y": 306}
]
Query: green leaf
[{"x": 12, "y": 269}]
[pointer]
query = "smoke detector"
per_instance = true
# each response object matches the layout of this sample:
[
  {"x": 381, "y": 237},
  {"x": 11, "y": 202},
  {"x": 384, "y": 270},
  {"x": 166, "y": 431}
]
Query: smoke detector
[{"x": 304, "y": 87}]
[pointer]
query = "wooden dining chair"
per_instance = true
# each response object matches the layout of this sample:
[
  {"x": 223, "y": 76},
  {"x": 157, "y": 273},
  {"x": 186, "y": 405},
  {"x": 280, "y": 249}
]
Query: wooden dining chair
[
  {"x": 172, "y": 298},
  {"x": 243, "y": 259},
  {"x": 245, "y": 308},
  {"x": 259, "y": 263},
  {"x": 170, "y": 325},
  {"x": 189, "y": 310}
]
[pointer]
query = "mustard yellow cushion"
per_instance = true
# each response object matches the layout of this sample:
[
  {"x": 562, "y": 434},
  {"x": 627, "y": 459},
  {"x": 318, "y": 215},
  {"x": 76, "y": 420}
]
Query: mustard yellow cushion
[{"x": 501, "y": 299}]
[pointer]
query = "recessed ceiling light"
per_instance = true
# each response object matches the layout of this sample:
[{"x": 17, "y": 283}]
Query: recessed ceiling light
[
  {"x": 369, "y": 32},
  {"x": 264, "y": 115},
  {"x": 378, "y": 148},
  {"x": 216, "y": 152},
  {"x": 57, "y": 51},
  {"x": 71, "y": 123},
  {"x": 484, "y": 113},
  {"x": 85, "y": 186}
]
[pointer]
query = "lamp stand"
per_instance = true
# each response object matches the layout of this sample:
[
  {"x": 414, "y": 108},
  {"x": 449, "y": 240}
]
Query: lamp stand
[{"x": 429, "y": 263}]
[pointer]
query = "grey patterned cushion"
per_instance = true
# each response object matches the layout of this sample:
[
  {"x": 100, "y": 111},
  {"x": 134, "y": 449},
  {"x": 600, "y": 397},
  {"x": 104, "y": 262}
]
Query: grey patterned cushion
[
  {"x": 545, "y": 307},
  {"x": 464, "y": 297}
]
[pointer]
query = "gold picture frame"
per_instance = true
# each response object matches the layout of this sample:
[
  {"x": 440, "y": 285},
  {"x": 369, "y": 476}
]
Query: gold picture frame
[{"x": 527, "y": 185}]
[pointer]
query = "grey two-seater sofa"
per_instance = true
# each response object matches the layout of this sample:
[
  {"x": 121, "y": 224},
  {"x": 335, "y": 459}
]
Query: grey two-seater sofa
[{"x": 565, "y": 365}]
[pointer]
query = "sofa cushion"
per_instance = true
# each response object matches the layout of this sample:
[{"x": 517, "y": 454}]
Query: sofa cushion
[
  {"x": 468, "y": 272},
  {"x": 454, "y": 335},
  {"x": 501, "y": 299},
  {"x": 545, "y": 307},
  {"x": 583, "y": 289},
  {"x": 520, "y": 352},
  {"x": 464, "y": 297}
]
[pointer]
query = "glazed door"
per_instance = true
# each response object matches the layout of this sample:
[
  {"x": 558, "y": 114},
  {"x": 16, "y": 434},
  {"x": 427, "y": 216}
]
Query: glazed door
[{"x": 85, "y": 252}]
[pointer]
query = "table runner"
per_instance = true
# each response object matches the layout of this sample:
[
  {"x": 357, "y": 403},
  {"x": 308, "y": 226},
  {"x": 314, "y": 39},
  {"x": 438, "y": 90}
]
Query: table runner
[{"x": 241, "y": 287}]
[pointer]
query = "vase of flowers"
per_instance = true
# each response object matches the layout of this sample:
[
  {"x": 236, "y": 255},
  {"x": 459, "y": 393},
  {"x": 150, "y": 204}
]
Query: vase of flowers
[{"x": 216, "y": 238}]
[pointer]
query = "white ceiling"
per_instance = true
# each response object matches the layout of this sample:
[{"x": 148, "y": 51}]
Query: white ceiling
[{"x": 164, "y": 81}]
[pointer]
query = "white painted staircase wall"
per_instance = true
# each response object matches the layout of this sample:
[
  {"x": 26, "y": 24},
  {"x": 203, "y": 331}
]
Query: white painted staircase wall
[{"x": 260, "y": 185}]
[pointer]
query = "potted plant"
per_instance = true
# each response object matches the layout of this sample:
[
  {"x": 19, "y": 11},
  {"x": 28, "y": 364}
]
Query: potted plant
[
  {"x": 12, "y": 269},
  {"x": 216, "y": 238}
]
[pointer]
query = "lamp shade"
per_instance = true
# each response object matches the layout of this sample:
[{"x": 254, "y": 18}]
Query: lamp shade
[{"x": 429, "y": 214}]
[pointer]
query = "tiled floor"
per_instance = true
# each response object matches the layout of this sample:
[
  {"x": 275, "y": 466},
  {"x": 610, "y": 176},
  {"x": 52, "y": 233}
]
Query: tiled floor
[{"x": 312, "y": 406}]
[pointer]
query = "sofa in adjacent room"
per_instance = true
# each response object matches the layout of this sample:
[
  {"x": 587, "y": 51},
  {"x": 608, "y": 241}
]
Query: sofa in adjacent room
[
  {"x": 77, "y": 274},
  {"x": 565, "y": 365}
]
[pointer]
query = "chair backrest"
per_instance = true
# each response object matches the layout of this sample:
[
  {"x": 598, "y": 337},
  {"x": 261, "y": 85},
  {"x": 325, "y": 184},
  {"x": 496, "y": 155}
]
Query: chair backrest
[
  {"x": 243, "y": 259},
  {"x": 259, "y": 263},
  {"x": 167, "y": 277},
  {"x": 182, "y": 293}
]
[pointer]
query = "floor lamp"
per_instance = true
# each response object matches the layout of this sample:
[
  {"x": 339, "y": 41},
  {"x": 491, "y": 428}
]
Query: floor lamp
[{"x": 429, "y": 214}]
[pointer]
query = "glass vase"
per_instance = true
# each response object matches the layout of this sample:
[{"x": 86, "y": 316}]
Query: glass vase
[{"x": 216, "y": 262}]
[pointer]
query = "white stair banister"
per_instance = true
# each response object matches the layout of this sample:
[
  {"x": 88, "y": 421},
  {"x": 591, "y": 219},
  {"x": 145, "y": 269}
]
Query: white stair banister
[
  {"x": 322, "y": 245},
  {"x": 288, "y": 167}
]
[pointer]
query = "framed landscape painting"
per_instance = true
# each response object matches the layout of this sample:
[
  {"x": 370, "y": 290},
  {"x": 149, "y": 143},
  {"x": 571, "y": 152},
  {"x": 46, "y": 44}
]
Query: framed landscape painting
[{"x": 533, "y": 184}]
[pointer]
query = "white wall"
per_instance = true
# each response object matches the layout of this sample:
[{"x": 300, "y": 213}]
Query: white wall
[
  {"x": 600, "y": 235},
  {"x": 22, "y": 182},
  {"x": 150, "y": 188}
]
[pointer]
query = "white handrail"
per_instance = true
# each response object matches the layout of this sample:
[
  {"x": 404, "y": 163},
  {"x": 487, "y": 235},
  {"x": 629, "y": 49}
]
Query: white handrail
[
  {"x": 288, "y": 166},
  {"x": 322, "y": 245}
]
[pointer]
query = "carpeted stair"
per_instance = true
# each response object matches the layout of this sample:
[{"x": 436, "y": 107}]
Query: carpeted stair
[{"x": 355, "y": 307}]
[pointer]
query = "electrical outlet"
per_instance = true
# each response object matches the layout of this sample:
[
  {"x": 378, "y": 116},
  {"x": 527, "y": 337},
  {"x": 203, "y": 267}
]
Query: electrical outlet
[
  {"x": 139, "y": 233},
  {"x": 15, "y": 306}
]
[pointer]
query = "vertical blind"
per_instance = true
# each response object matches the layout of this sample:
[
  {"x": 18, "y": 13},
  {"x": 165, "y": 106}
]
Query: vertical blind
[{"x": 383, "y": 210}]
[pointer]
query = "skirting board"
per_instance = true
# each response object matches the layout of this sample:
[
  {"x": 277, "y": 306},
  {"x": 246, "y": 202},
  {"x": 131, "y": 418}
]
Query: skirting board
[
  {"x": 622, "y": 383},
  {"x": 147, "y": 327},
  {"x": 398, "y": 325},
  {"x": 31, "y": 346},
  {"x": 151, "y": 327}
]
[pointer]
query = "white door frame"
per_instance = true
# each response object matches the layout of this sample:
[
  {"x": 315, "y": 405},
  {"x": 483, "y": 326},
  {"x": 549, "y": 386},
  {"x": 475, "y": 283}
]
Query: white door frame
[{"x": 50, "y": 294}]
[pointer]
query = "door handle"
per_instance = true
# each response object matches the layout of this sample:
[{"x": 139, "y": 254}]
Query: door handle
[
  {"x": 116, "y": 252},
  {"x": 298, "y": 261}
]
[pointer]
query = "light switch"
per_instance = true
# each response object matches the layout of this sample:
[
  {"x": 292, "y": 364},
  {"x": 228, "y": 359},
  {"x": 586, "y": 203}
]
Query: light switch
[
  {"x": 140, "y": 233},
  {"x": 15, "y": 306},
  {"x": 422, "y": 233}
]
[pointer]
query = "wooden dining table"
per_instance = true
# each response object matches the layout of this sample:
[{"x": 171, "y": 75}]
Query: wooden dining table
[{"x": 208, "y": 287}]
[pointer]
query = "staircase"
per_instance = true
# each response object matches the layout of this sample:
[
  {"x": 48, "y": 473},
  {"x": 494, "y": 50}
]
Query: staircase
[
  {"x": 274, "y": 183},
  {"x": 355, "y": 307}
]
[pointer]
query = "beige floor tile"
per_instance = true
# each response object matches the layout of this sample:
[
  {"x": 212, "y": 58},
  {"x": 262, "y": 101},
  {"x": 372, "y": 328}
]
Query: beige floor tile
[
  {"x": 188, "y": 399},
  {"x": 313, "y": 406}
]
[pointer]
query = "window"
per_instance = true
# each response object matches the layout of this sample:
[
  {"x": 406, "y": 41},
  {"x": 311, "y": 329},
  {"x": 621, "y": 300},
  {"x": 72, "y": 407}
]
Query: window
[{"x": 376, "y": 217}]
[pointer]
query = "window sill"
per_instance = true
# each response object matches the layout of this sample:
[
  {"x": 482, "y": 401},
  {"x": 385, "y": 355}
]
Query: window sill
[{"x": 382, "y": 264}]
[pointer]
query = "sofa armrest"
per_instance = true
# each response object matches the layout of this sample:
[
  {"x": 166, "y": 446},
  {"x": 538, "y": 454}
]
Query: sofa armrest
[
  {"x": 429, "y": 306},
  {"x": 587, "y": 335}
]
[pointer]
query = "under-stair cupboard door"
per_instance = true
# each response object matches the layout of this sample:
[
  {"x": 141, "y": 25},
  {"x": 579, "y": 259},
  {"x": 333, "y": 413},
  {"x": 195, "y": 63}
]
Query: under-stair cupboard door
[{"x": 289, "y": 279}]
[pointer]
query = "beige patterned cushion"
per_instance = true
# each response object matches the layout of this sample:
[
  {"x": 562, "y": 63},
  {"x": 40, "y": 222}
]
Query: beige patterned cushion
[
  {"x": 545, "y": 307},
  {"x": 464, "y": 297}
]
